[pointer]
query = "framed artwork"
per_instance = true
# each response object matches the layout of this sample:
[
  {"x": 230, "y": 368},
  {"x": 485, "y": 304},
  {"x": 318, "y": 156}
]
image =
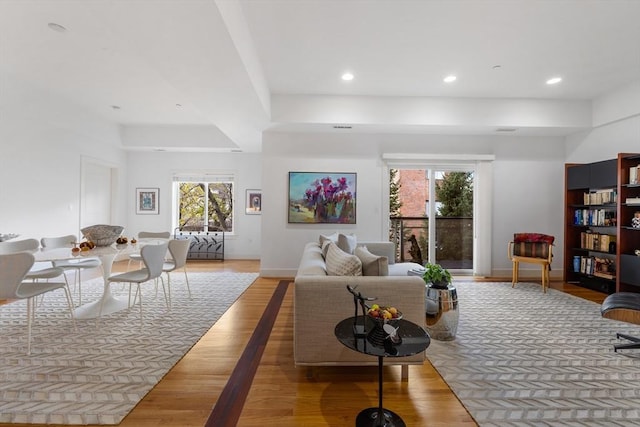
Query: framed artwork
[
  {"x": 322, "y": 198},
  {"x": 147, "y": 201},
  {"x": 253, "y": 202}
]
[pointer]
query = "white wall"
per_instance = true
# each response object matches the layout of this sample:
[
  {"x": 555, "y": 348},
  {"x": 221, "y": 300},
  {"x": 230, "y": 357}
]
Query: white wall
[
  {"x": 156, "y": 169},
  {"x": 41, "y": 152},
  {"x": 605, "y": 142},
  {"x": 528, "y": 187},
  {"x": 617, "y": 128}
]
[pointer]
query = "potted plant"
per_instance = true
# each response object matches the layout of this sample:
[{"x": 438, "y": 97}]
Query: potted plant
[{"x": 438, "y": 276}]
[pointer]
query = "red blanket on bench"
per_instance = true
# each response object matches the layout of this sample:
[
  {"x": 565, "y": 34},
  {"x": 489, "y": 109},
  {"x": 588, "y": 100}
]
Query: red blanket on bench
[{"x": 533, "y": 245}]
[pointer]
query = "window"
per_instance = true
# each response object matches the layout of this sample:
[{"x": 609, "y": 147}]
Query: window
[{"x": 204, "y": 203}]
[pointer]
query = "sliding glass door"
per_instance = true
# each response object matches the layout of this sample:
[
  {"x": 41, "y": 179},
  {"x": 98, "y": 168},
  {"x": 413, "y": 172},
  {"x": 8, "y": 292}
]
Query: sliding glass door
[
  {"x": 433, "y": 216},
  {"x": 451, "y": 232}
]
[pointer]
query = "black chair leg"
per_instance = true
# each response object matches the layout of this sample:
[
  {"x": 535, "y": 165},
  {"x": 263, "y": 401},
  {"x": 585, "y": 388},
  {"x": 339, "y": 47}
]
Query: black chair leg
[{"x": 635, "y": 342}]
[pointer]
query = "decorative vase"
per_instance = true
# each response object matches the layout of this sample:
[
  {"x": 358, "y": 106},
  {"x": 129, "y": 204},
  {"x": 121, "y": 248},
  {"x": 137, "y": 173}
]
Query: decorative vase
[{"x": 441, "y": 309}]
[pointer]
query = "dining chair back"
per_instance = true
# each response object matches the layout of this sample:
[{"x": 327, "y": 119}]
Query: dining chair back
[
  {"x": 147, "y": 235},
  {"x": 153, "y": 259},
  {"x": 76, "y": 265},
  {"x": 37, "y": 271},
  {"x": 178, "y": 249},
  {"x": 13, "y": 246},
  {"x": 13, "y": 270}
]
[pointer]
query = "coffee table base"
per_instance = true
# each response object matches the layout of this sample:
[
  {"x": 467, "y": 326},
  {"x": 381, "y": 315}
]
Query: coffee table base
[{"x": 369, "y": 418}]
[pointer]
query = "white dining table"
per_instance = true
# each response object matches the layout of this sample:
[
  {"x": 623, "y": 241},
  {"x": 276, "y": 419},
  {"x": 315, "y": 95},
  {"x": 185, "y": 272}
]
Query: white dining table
[{"x": 106, "y": 255}]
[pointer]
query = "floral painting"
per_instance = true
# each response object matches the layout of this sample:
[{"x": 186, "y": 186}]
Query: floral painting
[{"x": 317, "y": 198}]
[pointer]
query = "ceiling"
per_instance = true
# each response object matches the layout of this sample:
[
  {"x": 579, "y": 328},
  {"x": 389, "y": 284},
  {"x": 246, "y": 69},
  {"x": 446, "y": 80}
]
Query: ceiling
[{"x": 216, "y": 65}]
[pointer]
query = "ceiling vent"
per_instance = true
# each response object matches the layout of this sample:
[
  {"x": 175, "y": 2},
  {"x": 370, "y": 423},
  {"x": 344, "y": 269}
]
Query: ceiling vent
[
  {"x": 506, "y": 130},
  {"x": 343, "y": 127}
]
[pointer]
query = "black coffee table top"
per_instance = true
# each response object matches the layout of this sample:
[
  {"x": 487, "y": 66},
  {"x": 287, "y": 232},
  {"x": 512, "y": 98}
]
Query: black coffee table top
[{"x": 414, "y": 339}]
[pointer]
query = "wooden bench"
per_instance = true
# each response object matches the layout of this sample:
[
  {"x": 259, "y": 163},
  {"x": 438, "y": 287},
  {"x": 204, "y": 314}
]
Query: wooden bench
[{"x": 533, "y": 248}]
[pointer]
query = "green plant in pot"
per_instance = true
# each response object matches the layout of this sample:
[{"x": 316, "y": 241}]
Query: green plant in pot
[{"x": 438, "y": 276}]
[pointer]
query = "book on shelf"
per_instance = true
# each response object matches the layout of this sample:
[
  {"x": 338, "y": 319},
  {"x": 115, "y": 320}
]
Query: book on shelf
[
  {"x": 633, "y": 174},
  {"x": 596, "y": 217},
  {"x": 600, "y": 197},
  {"x": 596, "y": 241},
  {"x": 599, "y": 267},
  {"x": 632, "y": 200}
]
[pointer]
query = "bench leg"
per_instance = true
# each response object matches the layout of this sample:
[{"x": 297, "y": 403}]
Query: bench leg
[
  {"x": 546, "y": 274},
  {"x": 404, "y": 373},
  {"x": 514, "y": 273}
]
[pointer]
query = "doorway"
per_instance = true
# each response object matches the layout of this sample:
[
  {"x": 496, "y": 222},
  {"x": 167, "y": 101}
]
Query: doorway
[
  {"x": 96, "y": 192},
  {"x": 433, "y": 217}
]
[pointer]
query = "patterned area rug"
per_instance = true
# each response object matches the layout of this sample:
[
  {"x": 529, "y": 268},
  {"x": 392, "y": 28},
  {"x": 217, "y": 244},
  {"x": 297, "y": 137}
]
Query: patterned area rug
[
  {"x": 524, "y": 358},
  {"x": 97, "y": 376}
]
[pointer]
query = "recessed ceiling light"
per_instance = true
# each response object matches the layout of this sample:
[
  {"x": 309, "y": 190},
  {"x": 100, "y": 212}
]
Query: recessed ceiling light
[
  {"x": 497, "y": 67},
  {"x": 347, "y": 76},
  {"x": 554, "y": 80},
  {"x": 450, "y": 79},
  {"x": 115, "y": 107},
  {"x": 56, "y": 27},
  {"x": 178, "y": 105}
]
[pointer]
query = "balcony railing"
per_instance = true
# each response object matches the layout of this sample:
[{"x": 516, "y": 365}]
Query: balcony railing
[{"x": 453, "y": 246}]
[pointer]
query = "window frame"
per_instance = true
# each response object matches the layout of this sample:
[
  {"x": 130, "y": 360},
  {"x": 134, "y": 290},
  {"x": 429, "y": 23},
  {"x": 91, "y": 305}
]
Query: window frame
[{"x": 208, "y": 178}]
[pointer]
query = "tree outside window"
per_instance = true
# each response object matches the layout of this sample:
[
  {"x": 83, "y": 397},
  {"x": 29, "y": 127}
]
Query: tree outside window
[{"x": 205, "y": 206}]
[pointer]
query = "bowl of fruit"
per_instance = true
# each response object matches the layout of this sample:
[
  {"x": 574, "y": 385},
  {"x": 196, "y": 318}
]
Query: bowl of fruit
[
  {"x": 101, "y": 234},
  {"x": 384, "y": 314}
]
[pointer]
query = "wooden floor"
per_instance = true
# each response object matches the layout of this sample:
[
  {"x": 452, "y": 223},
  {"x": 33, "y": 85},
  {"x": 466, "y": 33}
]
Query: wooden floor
[{"x": 281, "y": 394}]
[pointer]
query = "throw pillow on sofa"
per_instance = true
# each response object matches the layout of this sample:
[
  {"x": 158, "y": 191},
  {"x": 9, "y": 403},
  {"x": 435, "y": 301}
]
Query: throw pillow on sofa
[
  {"x": 340, "y": 263},
  {"x": 347, "y": 242},
  {"x": 325, "y": 247},
  {"x": 372, "y": 265},
  {"x": 330, "y": 238}
]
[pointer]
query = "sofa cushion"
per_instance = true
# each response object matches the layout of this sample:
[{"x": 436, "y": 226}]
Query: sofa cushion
[
  {"x": 347, "y": 242},
  {"x": 325, "y": 248},
  {"x": 340, "y": 263},
  {"x": 331, "y": 238},
  {"x": 312, "y": 262},
  {"x": 372, "y": 265},
  {"x": 403, "y": 268}
]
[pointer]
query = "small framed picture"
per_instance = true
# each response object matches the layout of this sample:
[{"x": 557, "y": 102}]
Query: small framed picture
[
  {"x": 147, "y": 201},
  {"x": 254, "y": 202}
]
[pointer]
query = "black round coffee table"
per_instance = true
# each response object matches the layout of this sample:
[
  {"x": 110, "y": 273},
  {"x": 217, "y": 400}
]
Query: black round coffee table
[{"x": 414, "y": 339}]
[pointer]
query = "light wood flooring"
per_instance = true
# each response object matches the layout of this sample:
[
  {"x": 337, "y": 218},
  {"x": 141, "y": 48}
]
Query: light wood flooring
[{"x": 281, "y": 394}]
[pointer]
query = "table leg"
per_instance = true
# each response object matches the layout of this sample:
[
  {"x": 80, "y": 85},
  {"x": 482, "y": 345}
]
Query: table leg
[
  {"x": 110, "y": 304},
  {"x": 379, "y": 417}
]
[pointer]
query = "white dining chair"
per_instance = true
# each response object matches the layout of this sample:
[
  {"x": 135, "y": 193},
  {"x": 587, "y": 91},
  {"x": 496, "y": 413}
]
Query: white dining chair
[
  {"x": 147, "y": 235},
  {"x": 153, "y": 259},
  {"x": 13, "y": 270},
  {"x": 76, "y": 264},
  {"x": 38, "y": 271},
  {"x": 178, "y": 249}
]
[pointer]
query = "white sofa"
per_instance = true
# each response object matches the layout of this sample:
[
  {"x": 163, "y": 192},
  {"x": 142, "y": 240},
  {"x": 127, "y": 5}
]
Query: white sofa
[{"x": 321, "y": 301}]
